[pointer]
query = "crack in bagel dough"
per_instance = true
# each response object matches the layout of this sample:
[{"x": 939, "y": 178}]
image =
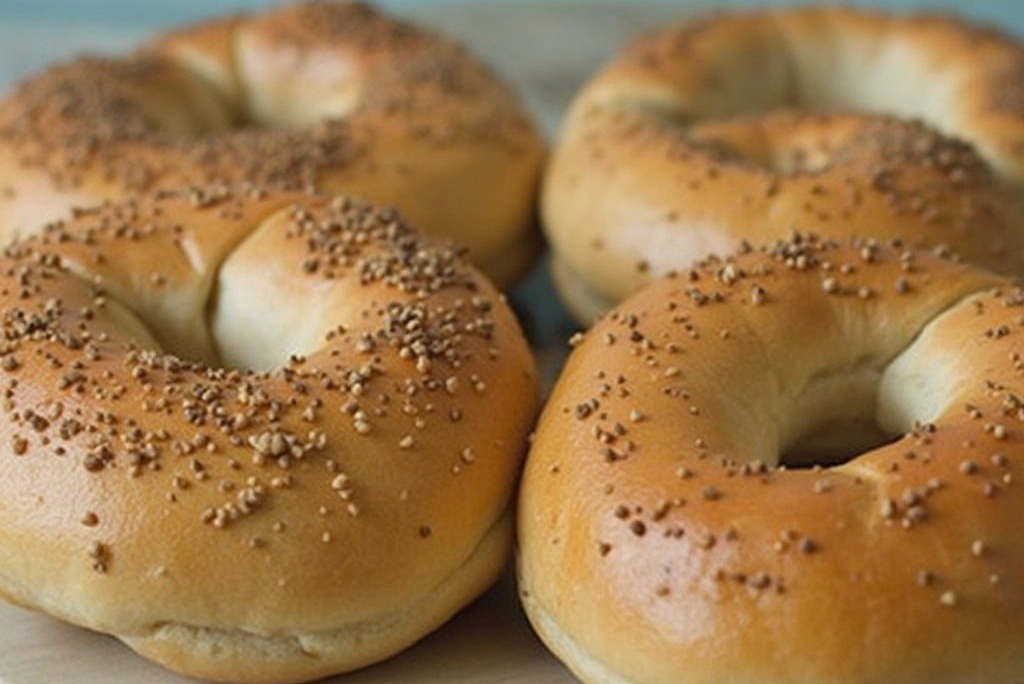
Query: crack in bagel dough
[
  {"x": 747, "y": 126},
  {"x": 251, "y": 435},
  {"x": 337, "y": 97},
  {"x": 660, "y": 538}
]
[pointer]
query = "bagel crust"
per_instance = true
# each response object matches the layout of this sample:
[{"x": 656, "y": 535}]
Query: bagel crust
[
  {"x": 679, "y": 517},
  {"x": 252, "y": 435},
  {"x": 747, "y": 126},
  {"x": 335, "y": 97}
]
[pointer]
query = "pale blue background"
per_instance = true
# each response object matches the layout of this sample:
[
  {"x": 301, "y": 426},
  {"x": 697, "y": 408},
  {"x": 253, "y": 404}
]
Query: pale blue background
[
  {"x": 1009, "y": 13},
  {"x": 36, "y": 32}
]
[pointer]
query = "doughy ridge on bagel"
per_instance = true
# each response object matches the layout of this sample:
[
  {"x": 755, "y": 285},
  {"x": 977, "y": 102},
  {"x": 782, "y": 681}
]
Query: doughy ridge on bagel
[
  {"x": 332, "y": 96},
  {"x": 747, "y": 126},
  {"x": 250, "y": 435},
  {"x": 662, "y": 540}
]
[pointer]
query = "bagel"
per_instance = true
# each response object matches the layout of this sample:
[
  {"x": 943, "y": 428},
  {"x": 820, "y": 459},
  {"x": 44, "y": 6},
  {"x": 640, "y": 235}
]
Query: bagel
[
  {"x": 248, "y": 434},
  {"x": 335, "y": 97},
  {"x": 747, "y": 126},
  {"x": 698, "y": 505}
]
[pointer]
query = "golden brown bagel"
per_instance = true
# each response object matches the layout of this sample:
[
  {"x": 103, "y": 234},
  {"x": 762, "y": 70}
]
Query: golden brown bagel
[
  {"x": 661, "y": 540},
  {"x": 312, "y": 515},
  {"x": 337, "y": 97},
  {"x": 746, "y": 126}
]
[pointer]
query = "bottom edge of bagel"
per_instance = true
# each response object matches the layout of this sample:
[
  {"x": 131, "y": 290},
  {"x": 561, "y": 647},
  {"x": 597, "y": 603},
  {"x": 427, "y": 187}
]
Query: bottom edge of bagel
[
  {"x": 589, "y": 669},
  {"x": 579, "y": 661},
  {"x": 245, "y": 657}
]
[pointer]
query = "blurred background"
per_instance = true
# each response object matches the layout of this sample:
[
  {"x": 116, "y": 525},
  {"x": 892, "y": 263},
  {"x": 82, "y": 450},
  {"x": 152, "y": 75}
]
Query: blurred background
[
  {"x": 147, "y": 13},
  {"x": 524, "y": 39},
  {"x": 546, "y": 49}
]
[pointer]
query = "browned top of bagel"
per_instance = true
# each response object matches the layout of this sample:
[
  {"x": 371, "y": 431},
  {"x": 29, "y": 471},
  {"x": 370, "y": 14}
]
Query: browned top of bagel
[
  {"x": 249, "y": 435},
  {"x": 337, "y": 97},
  {"x": 962, "y": 77},
  {"x": 661, "y": 538},
  {"x": 748, "y": 126}
]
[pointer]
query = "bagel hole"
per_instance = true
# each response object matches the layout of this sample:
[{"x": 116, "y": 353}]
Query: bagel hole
[
  {"x": 834, "y": 417},
  {"x": 259, "y": 114},
  {"x": 781, "y": 160},
  {"x": 260, "y": 97},
  {"x": 878, "y": 399},
  {"x": 283, "y": 91},
  {"x": 756, "y": 142},
  {"x": 835, "y": 444},
  {"x": 759, "y": 70}
]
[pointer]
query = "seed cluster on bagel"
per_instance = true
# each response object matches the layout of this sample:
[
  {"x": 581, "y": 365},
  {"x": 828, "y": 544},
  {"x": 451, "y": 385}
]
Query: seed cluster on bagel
[
  {"x": 704, "y": 542},
  {"x": 747, "y": 126},
  {"x": 332, "y": 96},
  {"x": 246, "y": 432}
]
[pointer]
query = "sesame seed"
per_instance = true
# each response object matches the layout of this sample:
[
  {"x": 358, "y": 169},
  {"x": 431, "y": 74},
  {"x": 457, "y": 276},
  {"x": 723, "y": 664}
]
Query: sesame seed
[
  {"x": 915, "y": 514},
  {"x": 705, "y": 540},
  {"x": 757, "y": 295},
  {"x": 710, "y": 493},
  {"x": 758, "y": 580}
]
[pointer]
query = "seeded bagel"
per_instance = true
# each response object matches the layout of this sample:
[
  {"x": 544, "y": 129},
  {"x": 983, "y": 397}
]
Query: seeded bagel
[
  {"x": 249, "y": 435},
  {"x": 747, "y": 126},
  {"x": 331, "y": 96},
  {"x": 798, "y": 464}
]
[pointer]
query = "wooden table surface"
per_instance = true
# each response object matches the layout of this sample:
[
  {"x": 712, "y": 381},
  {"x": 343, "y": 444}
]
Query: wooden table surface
[{"x": 490, "y": 641}]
